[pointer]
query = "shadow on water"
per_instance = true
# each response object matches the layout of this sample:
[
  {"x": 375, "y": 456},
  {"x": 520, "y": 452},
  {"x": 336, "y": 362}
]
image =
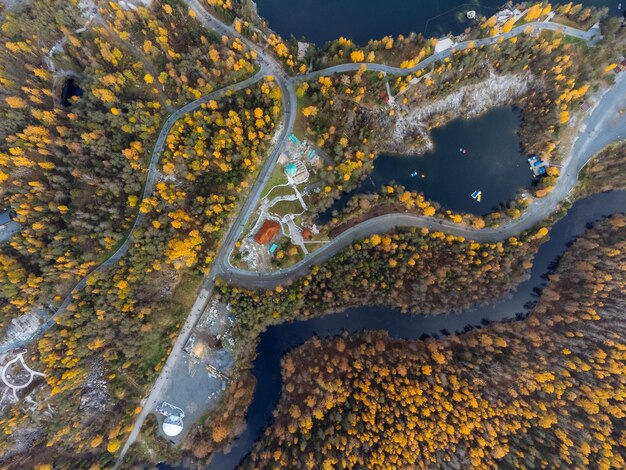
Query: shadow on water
[
  {"x": 319, "y": 21},
  {"x": 279, "y": 339},
  {"x": 70, "y": 89}
]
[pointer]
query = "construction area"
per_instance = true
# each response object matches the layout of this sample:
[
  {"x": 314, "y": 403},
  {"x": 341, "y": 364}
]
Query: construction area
[
  {"x": 278, "y": 225},
  {"x": 202, "y": 374}
]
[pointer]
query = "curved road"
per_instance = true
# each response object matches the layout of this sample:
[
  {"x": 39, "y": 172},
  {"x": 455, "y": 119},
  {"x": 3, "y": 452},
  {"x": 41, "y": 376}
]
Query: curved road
[
  {"x": 269, "y": 66},
  {"x": 147, "y": 192},
  {"x": 222, "y": 267},
  {"x": 588, "y": 36},
  {"x": 604, "y": 125}
]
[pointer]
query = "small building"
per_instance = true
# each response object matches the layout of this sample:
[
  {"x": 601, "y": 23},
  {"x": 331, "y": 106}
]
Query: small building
[
  {"x": 506, "y": 14},
  {"x": 303, "y": 47},
  {"x": 443, "y": 44},
  {"x": 537, "y": 165},
  {"x": 173, "y": 422},
  {"x": 6, "y": 216},
  {"x": 172, "y": 426},
  {"x": 23, "y": 327},
  {"x": 296, "y": 171},
  {"x": 313, "y": 157},
  {"x": 267, "y": 232}
]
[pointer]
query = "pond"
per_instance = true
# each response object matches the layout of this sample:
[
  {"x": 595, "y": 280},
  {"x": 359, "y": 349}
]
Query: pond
[
  {"x": 481, "y": 154},
  {"x": 319, "y": 21}
]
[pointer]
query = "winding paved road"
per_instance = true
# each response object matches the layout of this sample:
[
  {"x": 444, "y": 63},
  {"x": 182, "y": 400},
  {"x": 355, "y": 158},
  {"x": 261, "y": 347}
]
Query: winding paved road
[
  {"x": 589, "y": 36},
  {"x": 587, "y": 143},
  {"x": 606, "y": 124},
  {"x": 584, "y": 149},
  {"x": 147, "y": 192}
]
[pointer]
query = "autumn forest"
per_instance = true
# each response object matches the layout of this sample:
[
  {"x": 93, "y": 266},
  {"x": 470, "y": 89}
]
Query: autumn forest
[{"x": 134, "y": 135}]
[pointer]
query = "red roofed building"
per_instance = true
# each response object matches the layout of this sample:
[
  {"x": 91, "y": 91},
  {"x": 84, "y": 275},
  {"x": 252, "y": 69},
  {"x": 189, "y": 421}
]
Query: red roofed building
[{"x": 267, "y": 232}]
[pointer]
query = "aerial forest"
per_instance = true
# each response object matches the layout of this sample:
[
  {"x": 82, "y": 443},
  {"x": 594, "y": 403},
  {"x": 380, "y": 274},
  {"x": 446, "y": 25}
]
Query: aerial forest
[{"x": 544, "y": 392}]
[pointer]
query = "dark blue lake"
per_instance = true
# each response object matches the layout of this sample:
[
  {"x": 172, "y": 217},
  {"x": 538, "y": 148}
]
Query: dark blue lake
[
  {"x": 319, "y": 21},
  {"x": 481, "y": 154},
  {"x": 279, "y": 339}
]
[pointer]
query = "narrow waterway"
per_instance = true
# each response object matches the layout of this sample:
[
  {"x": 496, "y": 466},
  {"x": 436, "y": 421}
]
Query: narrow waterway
[
  {"x": 319, "y": 21},
  {"x": 279, "y": 339},
  {"x": 480, "y": 154}
]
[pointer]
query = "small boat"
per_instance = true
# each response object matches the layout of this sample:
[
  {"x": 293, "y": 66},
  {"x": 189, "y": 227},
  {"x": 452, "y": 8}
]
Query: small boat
[
  {"x": 423, "y": 175},
  {"x": 414, "y": 174},
  {"x": 471, "y": 15},
  {"x": 477, "y": 195}
]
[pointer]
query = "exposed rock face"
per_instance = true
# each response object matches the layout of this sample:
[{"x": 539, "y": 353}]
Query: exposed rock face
[
  {"x": 95, "y": 393},
  {"x": 413, "y": 122},
  {"x": 23, "y": 441}
]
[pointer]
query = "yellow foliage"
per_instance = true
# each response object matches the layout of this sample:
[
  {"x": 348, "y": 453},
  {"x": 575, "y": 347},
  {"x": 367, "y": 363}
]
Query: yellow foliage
[
  {"x": 113, "y": 446},
  {"x": 508, "y": 25},
  {"x": 309, "y": 111},
  {"x": 15, "y": 102},
  {"x": 357, "y": 56}
]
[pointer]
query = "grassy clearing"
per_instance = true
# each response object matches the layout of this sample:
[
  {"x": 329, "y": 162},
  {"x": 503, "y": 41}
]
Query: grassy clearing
[
  {"x": 575, "y": 42},
  {"x": 277, "y": 177},
  {"x": 311, "y": 247},
  {"x": 279, "y": 191},
  {"x": 299, "y": 126},
  {"x": 283, "y": 208}
]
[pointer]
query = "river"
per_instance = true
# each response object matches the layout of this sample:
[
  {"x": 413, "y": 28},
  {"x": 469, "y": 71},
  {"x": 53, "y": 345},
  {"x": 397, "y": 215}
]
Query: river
[
  {"x": 480, "y": 154},
  {"x": 319, "y": 21},
  {"x": 279, "y": 339}
]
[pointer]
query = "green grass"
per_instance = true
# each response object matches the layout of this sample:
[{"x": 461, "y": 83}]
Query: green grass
[
  {"x": 299, "y": 126},
  {"x": 173, "y": 311},
  {"x": 153, "y": 353},
  {"x": 311, "y": 247},
  {"x": 283, "y": 208},
  {"x": 575, "y": 42},
  {"x": 280, "y": 191},
  {"x": 277, "y": 177}
]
